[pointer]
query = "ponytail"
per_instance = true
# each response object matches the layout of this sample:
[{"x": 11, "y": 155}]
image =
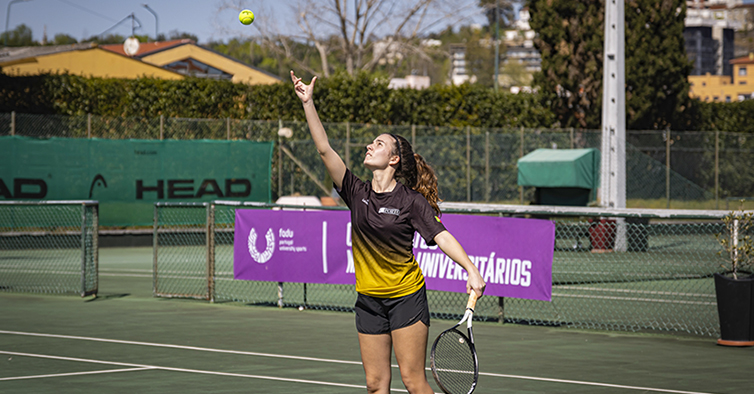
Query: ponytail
[
  {"x": 427, "y": 183},
  {"x": 414, "y": 172}
]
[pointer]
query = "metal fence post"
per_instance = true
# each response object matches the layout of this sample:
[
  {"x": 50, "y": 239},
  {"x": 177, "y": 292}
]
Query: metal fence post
[
  {"x": 88, "y": 125},
  {"x": 280, "y": 166},
  {"x": 520, "y": 155},
  {"x": 12, "y": 122},
  {"x": 413, "y": 135},
  {"x": 95, "y": 244},
  {"x": 83, "y": 250},
  {"x": 162, "y": 127},
  {"x": 155, "y": 247},
  {"x": 487, "y": 166},
  {"x": 348, "y": 144},
  {"x": 717, "y": 169},
  {"x": 227, "y": 128},
  {"x": 211, "y": 252},
  {"x": 468, "y": 163},
  {"x": 667, "y": 166}
]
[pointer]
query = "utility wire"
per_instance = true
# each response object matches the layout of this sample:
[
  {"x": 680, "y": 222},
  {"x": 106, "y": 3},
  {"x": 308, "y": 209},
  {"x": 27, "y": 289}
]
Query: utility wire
[
  {"x": 87, "y": 10},
  {"x": 130, "y": 16}
]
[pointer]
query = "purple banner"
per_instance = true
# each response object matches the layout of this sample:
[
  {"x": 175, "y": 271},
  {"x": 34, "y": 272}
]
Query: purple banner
[{"x": 513, "y": 255}]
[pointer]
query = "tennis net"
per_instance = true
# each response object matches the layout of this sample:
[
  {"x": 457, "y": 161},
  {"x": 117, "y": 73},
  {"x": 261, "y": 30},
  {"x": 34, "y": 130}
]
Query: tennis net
[
  {"x": 617, "y": 269},
  {"x": 49, "y": 247}
]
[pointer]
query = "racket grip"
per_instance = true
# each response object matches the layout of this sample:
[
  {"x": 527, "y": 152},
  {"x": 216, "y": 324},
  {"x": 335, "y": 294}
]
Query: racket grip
[{"x": 472, "y": 300}]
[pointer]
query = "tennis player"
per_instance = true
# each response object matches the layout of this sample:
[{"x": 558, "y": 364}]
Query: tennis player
[{"x": 391, "y": 308}]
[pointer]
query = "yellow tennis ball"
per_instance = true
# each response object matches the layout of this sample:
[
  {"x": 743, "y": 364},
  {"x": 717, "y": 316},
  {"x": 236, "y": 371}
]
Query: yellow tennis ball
[{"x": 246, "y": 17}]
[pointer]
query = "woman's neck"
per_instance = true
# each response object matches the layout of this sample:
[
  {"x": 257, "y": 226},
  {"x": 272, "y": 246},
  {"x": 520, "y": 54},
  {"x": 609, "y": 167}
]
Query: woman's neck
[{"x": 383, "y": 182}]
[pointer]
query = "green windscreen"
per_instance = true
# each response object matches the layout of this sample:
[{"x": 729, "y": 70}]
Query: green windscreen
[
  {"x": 128, "y": 176},
  {"x": 560, "y": 168}
]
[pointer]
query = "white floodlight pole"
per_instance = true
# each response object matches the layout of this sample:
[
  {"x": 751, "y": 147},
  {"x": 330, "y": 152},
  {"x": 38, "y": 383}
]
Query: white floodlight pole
[{"x": 613, "y": 165}]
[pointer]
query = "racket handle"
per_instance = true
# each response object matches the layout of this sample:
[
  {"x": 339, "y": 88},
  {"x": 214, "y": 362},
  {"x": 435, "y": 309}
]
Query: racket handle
[{"x": 472, "y": 300}]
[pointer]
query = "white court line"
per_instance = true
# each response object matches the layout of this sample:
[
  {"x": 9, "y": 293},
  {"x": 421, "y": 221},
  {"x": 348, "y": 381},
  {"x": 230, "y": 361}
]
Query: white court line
[
  {"x": 162, "y": 345},
  {"x": 650, "y": 292},
  {"x": 555, "y": 294},
  {"x": 585, "y": 383},
  {"x": 125, "y": 275},
  {"x": 199, "y": 371},
  {"x": 57, "y": 375},
  {"x": 591, "y": 383}
]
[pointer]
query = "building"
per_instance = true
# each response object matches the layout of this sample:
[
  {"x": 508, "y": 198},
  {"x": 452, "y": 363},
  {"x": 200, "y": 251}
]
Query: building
[
  {"x": 519, "y": 43},
  {"x": 164, "y": 60},
  {"x": 85, "y": 59},
  {"x": 458, "y": 72},
  {"x": 410, "y": 82},
  {"x": 724, "y": 88},
  {"x": 709, "y": 33}
]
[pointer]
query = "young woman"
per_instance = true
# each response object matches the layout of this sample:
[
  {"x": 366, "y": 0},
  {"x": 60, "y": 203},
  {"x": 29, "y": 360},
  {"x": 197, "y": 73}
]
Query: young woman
[{"x": 391, "y": 309}]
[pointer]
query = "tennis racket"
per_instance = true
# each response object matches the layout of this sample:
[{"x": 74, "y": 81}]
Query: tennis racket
[{"x": 454, "y": 362}]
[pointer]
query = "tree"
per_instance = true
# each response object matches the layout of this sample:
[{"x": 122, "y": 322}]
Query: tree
[
  {"x": 657, "y": 66},
  {"x": 179, "y": 35},
  {"x": 501, "y": 10},
  {"x": 480, "y": 57},
  {"x": 108, "y": 39},
  {"x": 345, "y": 31},
  {"x": 570, "y": 40},
  {"x": 19, "y": 37},
  {"x": 63, "y": 39}
]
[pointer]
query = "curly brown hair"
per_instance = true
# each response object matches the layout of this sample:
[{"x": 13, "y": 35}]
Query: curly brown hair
[{"x": 414, "y": 172}]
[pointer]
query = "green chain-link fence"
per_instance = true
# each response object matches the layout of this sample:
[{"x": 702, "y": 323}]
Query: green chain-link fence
[
  {"x": 625, "y": 270},
  {"x": 664, "y": 169},
  {"x": 49, "y": 247}
]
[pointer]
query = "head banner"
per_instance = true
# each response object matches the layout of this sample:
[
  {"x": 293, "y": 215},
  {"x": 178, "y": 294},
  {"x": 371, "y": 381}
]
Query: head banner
[{"x": 513, "y": 255}]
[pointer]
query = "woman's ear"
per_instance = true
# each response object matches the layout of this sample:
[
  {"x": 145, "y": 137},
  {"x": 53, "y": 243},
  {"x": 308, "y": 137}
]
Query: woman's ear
[{"x": 394, "y": 159}]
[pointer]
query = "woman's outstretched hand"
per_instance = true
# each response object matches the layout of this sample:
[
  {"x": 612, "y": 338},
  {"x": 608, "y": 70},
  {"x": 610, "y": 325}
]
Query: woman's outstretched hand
[{"x": 303, "y": 91}]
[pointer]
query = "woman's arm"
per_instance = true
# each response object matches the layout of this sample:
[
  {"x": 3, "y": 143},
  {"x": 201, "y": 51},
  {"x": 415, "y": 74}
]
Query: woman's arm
[
  {"x": 332, "y": 160},
  {"x": 448, "y": 244}
]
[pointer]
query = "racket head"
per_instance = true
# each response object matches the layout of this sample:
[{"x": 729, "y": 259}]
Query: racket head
[{"x": 454, "y": 362}]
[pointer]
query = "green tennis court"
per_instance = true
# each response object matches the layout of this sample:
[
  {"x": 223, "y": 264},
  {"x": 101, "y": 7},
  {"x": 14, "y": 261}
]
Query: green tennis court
[{"x": 126, "y": 341}]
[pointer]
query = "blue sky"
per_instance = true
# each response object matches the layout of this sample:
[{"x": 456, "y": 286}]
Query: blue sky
[{"x": 85, "y": 18}]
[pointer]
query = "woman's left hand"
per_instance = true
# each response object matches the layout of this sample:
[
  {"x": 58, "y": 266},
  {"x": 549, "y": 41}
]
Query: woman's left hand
[{"x": 475, "y": 282}]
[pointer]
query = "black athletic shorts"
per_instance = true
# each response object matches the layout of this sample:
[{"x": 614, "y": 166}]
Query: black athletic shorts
[{"x": 382, "y": 315}]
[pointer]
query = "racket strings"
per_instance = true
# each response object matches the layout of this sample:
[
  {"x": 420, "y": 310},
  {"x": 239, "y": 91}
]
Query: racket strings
[{"x": 454, "y": 363}]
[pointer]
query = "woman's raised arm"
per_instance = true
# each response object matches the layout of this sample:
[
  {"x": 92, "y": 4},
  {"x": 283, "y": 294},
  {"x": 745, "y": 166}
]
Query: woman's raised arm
[{"x": 332, "y": 160}]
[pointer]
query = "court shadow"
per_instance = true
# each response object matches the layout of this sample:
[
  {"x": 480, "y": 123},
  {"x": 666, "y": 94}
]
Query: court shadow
[{"x": 105, "y": 297}]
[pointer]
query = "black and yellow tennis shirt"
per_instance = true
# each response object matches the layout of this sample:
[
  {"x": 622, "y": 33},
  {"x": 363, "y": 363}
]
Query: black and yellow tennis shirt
[{"x": 382, "y": 233}]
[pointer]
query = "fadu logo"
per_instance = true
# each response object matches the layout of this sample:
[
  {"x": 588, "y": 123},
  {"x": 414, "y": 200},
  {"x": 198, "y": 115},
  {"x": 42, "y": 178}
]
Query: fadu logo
[{"x": 265, "y": 256}]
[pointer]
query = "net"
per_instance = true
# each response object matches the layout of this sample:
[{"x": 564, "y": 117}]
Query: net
[
  {"x": 619, "y": 269},
  {"x": 453, "y": 363},
  {"x": 49, "y": 247}
]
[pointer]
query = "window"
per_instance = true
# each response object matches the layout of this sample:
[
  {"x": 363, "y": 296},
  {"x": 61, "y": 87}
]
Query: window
[
  {"x": 742, "y": 82},
  {"x": 704, "y": 83},
  {"x": 742, "y": 71},
  {"x": 727, "y": 99}
]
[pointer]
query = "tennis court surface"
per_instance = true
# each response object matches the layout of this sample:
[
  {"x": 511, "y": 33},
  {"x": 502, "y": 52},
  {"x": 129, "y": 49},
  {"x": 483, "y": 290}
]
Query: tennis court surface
[{"x": 126, "y": 341}]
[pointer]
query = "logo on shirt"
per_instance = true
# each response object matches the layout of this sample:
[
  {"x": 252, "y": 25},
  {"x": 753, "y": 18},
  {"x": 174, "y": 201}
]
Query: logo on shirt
[
  {"x": 438, "y": 219},
  {"x": 365, "y": 201},
  {"x": 390, "y": 211}
]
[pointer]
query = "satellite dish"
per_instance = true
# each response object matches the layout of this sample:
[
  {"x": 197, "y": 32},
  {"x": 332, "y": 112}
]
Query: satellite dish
[{"x": 131, "y": 46}]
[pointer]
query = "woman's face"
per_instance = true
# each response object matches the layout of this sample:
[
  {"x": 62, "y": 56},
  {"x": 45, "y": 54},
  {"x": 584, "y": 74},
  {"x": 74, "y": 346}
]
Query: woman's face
[{"x": 379, "y": 153}]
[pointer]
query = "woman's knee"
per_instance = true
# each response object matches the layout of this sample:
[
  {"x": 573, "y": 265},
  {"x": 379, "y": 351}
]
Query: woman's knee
[{"x": 378, "y": 384}]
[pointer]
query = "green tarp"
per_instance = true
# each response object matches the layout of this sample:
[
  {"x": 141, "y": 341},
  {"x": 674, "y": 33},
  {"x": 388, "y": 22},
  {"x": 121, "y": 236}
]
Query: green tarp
[
  {"x": 553, "y": 168},
  {"x": 128, "y": 176}
]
